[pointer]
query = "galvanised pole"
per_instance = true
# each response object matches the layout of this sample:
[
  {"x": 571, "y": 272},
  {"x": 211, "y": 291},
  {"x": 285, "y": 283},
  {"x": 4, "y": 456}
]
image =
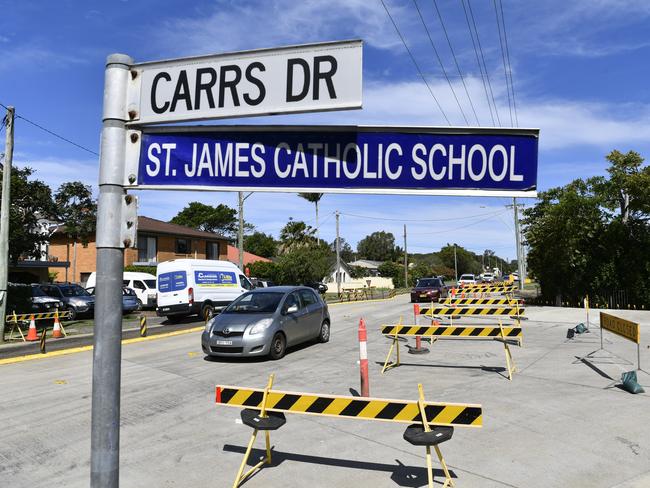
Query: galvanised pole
[{"x": 107, "y": 352}]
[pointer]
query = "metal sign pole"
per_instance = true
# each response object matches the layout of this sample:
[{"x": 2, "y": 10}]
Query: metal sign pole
[
  {"x": 107, "y": 352},
  {"x": 4, "y": 218}
]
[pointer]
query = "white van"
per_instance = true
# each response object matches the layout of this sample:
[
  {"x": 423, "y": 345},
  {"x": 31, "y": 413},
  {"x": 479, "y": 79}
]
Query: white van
[
  {"x": 144, "y": 285},
  {"x": 197, "y": 287}
]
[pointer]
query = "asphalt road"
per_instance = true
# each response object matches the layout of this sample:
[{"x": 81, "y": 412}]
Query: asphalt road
[{"x": 559, "y": 423}]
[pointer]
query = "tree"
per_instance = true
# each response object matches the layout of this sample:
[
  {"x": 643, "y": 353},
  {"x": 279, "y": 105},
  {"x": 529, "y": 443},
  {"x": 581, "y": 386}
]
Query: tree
[
  {"x": 265, "y": 270},
  {"x": 77, "y": 211},
  {"x": 261, "y": 244},
  {"x": 467, "y": 261},
  {"x": 304, "y": 265},
  {"x": 31, "y": 200},
  {"x": 221, "y": 219},
  {"x": 346, "y": 252},
  {"x": 296, "y": 234},
  {"x": 313, "y": 198},
  {"x": 392, "y": 270},
  {"x": 378, "y": 246}
]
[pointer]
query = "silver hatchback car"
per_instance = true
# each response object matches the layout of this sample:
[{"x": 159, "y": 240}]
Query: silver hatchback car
[{"x": 265, "y": 321}]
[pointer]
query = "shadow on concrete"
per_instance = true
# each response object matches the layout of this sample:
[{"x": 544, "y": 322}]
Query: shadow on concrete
[
  {"x": 489, "y": 369},
  {"x": 402, "y": 475},
  {"x": 593, "y": 367}
]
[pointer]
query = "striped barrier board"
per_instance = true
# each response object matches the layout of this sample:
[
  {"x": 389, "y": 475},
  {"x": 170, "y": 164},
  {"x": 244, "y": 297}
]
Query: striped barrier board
[
  {"x": 452, "y": 311},
  {"x": 452, "y": 331},
  {"x": 486, "y": 289},
  {"x": 480, "y": 301},
  {"x": 37, "y": 316},
  {"x": 449, "y": 414}
]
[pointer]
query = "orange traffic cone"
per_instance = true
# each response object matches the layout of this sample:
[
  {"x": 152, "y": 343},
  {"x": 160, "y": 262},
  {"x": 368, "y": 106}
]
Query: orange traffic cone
[
  {"x": 56, "y": 332},
  {"x": 32, "y": 335}
]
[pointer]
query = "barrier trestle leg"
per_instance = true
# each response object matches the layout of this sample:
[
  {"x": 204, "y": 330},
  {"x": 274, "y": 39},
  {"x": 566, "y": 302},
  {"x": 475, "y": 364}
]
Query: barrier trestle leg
[
  {"x": 241, "y": 476},
  {"x": 510, "y": 363},
  {"x": 425, "y": 426},
  {"x": 394, "y": 345}
]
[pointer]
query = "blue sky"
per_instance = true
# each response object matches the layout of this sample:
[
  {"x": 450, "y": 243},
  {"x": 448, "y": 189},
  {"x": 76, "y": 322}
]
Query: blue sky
[{"x": 580, "y": 74}]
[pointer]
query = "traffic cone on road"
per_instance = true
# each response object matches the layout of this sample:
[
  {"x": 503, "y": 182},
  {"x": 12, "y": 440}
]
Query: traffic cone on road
[
  {"x": 32, "y": 335},
  {"x": 56, "y": 332}
]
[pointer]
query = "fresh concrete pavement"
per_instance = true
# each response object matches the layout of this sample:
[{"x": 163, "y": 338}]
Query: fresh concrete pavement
[{"x": 559, "y": 423}]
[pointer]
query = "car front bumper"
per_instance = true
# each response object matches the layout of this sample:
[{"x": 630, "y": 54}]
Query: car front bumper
[{"x": 240, "y": 345}]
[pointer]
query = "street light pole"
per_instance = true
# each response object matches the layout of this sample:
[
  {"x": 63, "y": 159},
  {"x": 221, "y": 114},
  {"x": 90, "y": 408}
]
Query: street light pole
[
  {"x": 338, "y": 256},
  {"x": 240, "y": 230},
  {"x": 455, "y": 264},
  {"x": 520, "y": 258}
]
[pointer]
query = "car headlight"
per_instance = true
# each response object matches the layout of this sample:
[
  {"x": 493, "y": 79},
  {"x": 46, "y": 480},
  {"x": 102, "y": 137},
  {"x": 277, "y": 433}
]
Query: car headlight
[
  {"x": 260, "y": 326},
  {"x": 208, "y": 325}
]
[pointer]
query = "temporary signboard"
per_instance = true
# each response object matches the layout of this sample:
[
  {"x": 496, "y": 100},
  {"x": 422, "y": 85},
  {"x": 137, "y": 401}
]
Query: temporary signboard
[
  {"x": 624, "y": 328},
  {"x": 306, "y": 78},
  {"x": 335, "y": 159},
  {"x": 213, "y": 279}
]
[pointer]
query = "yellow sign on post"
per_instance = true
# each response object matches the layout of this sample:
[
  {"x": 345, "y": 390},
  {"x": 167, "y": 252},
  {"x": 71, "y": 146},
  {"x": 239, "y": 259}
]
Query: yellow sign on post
[{"x": 624, "y": 328}]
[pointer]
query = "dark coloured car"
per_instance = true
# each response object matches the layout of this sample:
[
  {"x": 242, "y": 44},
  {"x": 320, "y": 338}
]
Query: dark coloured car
[
  {"x": 265, "y": 321},
  {"x": 22, "y": 298},
  {"x": 75, "y": 299},
  {"x": 428, "y": 290},
  {"x": 130, "y": 301}
]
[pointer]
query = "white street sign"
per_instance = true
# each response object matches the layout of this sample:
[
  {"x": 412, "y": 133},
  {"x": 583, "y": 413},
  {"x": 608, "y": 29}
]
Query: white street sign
[{"x": 307, "y": 78}]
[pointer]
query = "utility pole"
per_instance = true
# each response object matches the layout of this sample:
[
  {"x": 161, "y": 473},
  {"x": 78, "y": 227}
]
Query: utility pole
[
  {"x": 240, "y": 230},
  {"x": 406, "y": 262},
  {"x": 338, "y": 256},
  {"x": 520, "y": 258},
  {"x": 455, "y": 264},
  {"x": 4, "y": 218}
]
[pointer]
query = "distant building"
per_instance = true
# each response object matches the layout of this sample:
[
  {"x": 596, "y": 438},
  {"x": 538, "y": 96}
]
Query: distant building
[
  {"x": 157, "y": 241},
  {"x": 249, "y": 257},
  {"x": 343, "y": 272},
  {"x": 371, "y": 267}
]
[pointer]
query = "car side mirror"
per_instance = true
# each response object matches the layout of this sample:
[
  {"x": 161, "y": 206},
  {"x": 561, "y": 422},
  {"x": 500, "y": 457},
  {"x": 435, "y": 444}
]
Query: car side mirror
[{"x": 291, "y": 309}]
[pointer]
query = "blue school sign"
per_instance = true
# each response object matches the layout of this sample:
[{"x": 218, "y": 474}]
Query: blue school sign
[{"x": 386, "y": 160}]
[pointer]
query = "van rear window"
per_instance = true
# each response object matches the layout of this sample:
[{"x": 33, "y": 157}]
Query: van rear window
[{"x": 172, "y": 281}]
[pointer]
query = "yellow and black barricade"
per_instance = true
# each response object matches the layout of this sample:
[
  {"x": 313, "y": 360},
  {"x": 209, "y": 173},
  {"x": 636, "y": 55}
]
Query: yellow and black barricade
[
  {"x": 486, "y": 289},
  {"x": 265, "y": 409},
  {"x": 463, "y": 302},
  {"x": 17, "y": 319},
  {"x": 515, "y": 311},
  {"x": 500, "y": 333}
]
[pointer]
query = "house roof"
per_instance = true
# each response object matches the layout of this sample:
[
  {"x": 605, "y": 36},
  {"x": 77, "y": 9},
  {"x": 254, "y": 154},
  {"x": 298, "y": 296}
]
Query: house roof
[
  {"x": 366, "y": 263},
  {"x": 249, "y": 257},
  {"x": 155, "y": 226}
]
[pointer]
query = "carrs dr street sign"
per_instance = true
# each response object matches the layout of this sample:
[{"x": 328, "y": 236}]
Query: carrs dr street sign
[{"x": 307, "y": 78}]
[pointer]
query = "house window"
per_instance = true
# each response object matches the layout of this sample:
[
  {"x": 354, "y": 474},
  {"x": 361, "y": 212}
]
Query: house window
[
  {"x": 147, "y": 249},
  {"x": 211, "y": 250},
  {"x": 182, "y": 246}
]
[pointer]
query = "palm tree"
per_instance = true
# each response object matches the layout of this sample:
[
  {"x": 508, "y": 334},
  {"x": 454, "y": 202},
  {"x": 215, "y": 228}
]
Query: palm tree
[{"x": 314, "y": 198}]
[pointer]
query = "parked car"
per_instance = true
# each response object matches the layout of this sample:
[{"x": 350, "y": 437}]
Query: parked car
[
  {"x": 319, "y": 287},
  {"x": 75, "y": 299},
  {"x": 467, "y": 279},
  {"x": 197, "y": 287},
  {"x": 130, "y": 302},
  {"x": 261, "y": 283},
  {"x": 144, "y": 285},
  {"x": 265, "y": 321},
  {"x": 23, "y": 298},
  {"x": 428, "y": 289}
]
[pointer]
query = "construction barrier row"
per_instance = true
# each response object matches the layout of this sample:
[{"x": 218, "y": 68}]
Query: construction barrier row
[
  {"x": 16, "y": 319},
  {"x": 463, "y": 302},
  {"x": 431, "y": 422},
  {"x": 454, "y": 311},
  {"x": 365, "y": 294}
]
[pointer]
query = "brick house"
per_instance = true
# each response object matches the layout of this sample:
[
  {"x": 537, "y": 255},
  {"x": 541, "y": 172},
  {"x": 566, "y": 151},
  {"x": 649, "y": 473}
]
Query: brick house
[{"x": 157, "y": 241}]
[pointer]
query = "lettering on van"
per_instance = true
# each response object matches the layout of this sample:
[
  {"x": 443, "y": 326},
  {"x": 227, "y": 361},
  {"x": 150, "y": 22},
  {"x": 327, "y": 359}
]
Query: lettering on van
[
  {"x": 172, "y": 281},
  {"x": 211, "y": 279}
]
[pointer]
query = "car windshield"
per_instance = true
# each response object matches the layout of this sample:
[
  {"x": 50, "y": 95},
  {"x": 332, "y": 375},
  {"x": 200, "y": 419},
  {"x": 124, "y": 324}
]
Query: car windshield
[
  {"x": 467, "y": 277},
  {"x": 150, "y": 283},
  {"x": 428, "y": 283},
  {"x": 73, "y": 291},
  {"x": 255, "y": 303},
  {"x": 37, "y": 292}
]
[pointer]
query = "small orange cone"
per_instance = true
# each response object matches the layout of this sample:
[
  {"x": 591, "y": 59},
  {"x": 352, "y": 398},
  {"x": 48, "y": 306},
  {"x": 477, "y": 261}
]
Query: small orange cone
[
  {"x": 56, "y": 332},
  {"x": 32, "y": 335}
]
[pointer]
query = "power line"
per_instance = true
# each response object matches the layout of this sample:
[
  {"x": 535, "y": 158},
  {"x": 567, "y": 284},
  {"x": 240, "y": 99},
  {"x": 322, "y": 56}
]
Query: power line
[
  {"x": 462, "y": 79},
  {"x": 442, "y": 67},
  {"x": 369, "y": 217},
  {"x": 415, "y": 62},
  {"x": 512, "y": 85},
  {"x": 52, "y": 133},
  {"x": 503, "y": 57},
  {"x": 482, "y": 56}
]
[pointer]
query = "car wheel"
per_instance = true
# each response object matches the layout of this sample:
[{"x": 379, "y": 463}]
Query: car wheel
[
  {"x": 139, "y": 305},
  {"x": 207, "y": 312},
  {"x": 73, "y": 313},
  {"x": 324, "y": 335},
  {"x": 278, "y": 346}
]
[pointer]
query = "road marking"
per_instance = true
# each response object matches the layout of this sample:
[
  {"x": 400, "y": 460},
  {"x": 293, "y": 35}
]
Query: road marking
[{"x": 74, "y": 350}]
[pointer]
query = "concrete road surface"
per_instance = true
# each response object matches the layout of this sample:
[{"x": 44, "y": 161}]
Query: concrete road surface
[{"x": 560, "y": 423}]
